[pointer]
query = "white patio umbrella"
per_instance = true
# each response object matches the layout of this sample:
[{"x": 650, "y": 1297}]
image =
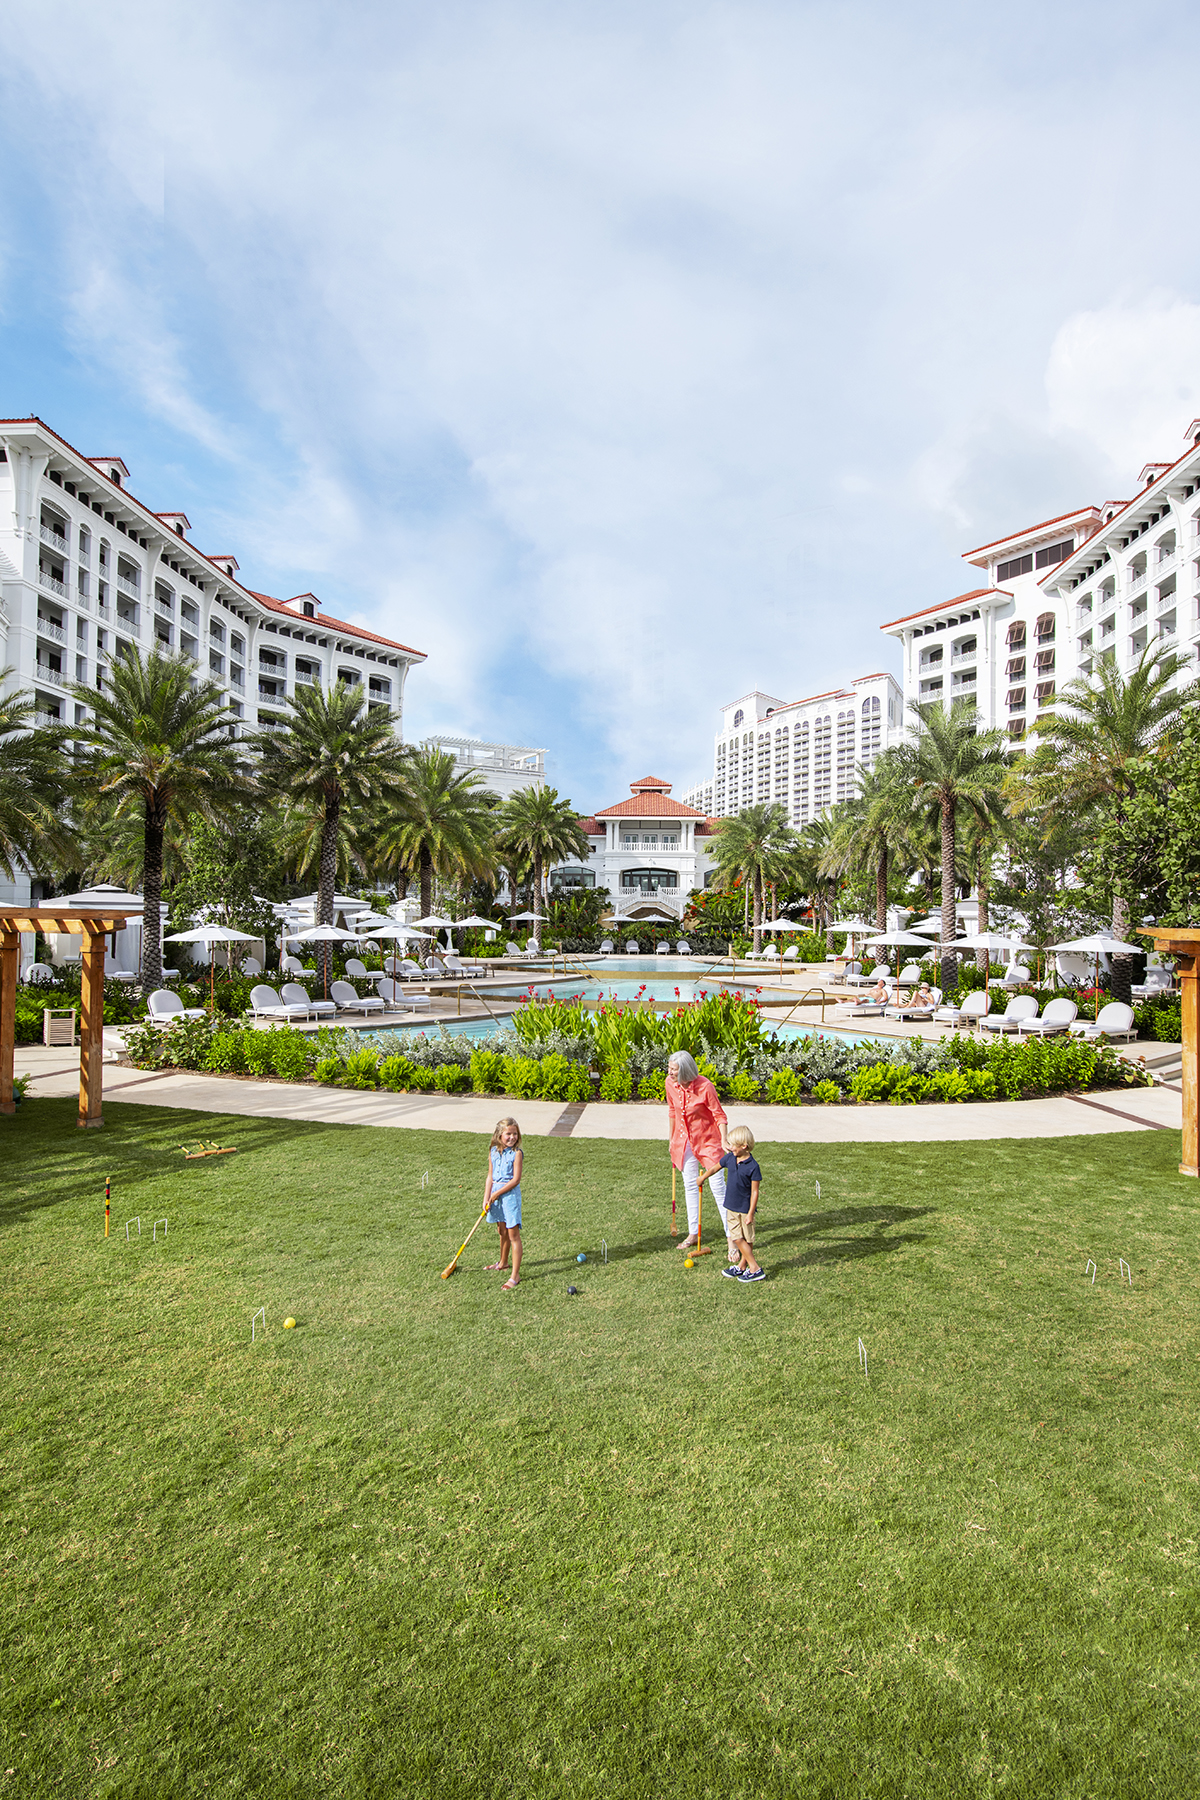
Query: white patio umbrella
[
  {"x": 988, "y": 940},
  {"x": 479, "y": 923},
  {"x": 1099, "y": 944},
  {"x": 212, "y": 935},
  {"x": 898, "y": 937},
  {"x": 513, "y": 917}
]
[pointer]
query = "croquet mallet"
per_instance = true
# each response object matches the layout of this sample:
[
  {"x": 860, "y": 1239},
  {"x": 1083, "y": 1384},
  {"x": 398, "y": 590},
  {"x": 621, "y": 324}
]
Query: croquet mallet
[
  {"x": 702, "y": 1248},
  {"x": 674, "y": 1227},
  {"x": 451, "y": 1266}
]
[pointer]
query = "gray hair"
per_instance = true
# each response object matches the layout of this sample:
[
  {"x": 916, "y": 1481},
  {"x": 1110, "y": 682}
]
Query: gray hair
[{"x": 684, "y": 1067}]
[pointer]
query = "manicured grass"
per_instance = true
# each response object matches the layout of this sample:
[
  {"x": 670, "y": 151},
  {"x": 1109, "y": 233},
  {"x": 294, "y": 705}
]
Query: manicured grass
[{"x": 661, "y": 1539}]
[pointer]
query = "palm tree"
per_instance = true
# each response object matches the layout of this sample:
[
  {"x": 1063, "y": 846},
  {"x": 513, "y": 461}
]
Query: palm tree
[
  {"x": 439, "y": 823},
  {"x": 33, "y": 782},
  {"x": 1111, "y": 720},
  {"x": 757, "y": 844},
  {"x": 871, "y": 827},
  {"x": 330, "y": 756},
  {"x": 949, "y": 764},
  {"x": 982, "y": 834},
  {"x": 816, "y": 866},
  {"x": 539, "y": 827},
  {"x": 160, "y": 753}
]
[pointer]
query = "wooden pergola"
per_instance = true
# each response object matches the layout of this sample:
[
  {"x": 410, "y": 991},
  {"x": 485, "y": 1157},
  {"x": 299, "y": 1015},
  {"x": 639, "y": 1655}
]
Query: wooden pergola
[
  {"x": 93, "y": 928},
  {"x": 1184, "y": 945}
]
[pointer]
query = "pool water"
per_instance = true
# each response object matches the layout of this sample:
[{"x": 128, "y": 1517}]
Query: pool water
[{"x": 392, "y": 1037}]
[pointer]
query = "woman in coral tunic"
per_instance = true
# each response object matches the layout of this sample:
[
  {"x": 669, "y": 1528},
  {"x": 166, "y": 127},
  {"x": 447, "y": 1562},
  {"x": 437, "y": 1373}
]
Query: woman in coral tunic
[{"x": 698, "y": 1140}]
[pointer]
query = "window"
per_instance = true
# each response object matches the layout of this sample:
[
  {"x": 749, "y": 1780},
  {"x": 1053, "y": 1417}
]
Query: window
[
  {"x": 649, "y": 880},
  {"x": 1016, "y": 666},
  {"x": 1044, "y": 660},
  {"x": 1044, "y": 692},
  {"x": 1016, "y": 634},
  {"x": 738, "y": 716},
  {"x": 1045, "y": 627},
  {"x": 1054, "y": 553},
  {"x": 1020, "y": 565},
  {"x": 1016, "y": 699},
  {"x": 572, "y": 878}
]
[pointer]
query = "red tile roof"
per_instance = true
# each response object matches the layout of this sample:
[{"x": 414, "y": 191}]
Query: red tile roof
[
  {"x": 649, "y": 806},
  {"x": 590, "y": 828},
  {"x": 331, "y": 624},
  {"x": 1030, "y": 530},
  {"x": 650, "y": 781},
  {"x": 958, "y": 600}
]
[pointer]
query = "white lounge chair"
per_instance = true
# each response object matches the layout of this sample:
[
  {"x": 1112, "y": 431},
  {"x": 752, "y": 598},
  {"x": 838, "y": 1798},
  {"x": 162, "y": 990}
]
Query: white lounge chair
[
  {"x": 881, "y": 971},
  {"x": 790, "y": 955},
  {"x": 1158, "y": 981},
  {"x": 1115, "y": 1021},
  {"x": 1019, "y": 1008},
  {"x": 434, "y": 967},
  {"x": 1017, "y": 975},
  {"x": 38, "y": 974},
  {"x": 910, "y": 975},
  {"x": 633, "y": 948},
  {"x": 250, "y": 966},
  {"x": 663, "y": 949},
  {"x": 292, "y": 994},
  {"x": 532, "y": 947},
  {"x": 164, "y": 1007},
  {"x": 112, "y": 973},
  {"x": 403, "y": 968},
  {"x": 606, "y": 949},
  {"x": 395, "y": 998},
  {"x": 346, "y": 999},
  {"x": 683, "y": 948},
  {"x": 904, "y": 1009},
  {"x": 265, "y": 1003},
  {"x": 291, "y": 965},
  {"x": 976, "y": 1006},
  {"x": 512, "y": 948},
  {"x": 1059, "y": 1014},
  {"x": 770, "y": 953},
  {"x": 849, "y": 975}
]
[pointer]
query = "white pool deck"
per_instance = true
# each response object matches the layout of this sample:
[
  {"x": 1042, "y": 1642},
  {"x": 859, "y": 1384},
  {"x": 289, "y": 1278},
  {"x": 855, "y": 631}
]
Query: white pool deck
[{"x": 55, "y": 1073}]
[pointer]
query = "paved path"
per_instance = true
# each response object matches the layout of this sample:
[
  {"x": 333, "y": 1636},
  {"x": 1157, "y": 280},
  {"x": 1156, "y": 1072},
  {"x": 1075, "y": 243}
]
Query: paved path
[{"x": 1128, "y": 1109}]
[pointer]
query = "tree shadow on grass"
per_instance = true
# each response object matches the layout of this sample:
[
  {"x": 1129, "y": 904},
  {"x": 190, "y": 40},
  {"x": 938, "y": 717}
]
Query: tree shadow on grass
[{"x": 838, "y": 1248}]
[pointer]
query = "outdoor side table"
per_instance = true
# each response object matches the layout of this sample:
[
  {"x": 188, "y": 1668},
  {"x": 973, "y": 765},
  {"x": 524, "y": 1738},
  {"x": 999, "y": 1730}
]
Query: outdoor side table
[{"x": 58, "y": 1025}]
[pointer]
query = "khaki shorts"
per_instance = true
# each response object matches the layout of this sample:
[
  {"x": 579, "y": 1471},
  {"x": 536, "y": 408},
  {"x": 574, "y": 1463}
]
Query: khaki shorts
[{"x": 740, "y": 1226}]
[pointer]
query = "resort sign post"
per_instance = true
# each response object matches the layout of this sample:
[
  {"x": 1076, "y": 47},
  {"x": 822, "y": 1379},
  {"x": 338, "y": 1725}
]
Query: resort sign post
[
  {"x": 93, "y": 927},
  {"x": 1184, "y": 945}
]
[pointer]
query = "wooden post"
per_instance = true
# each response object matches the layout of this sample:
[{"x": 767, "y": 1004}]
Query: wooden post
[
  {"x": 1184, "y": 946},
  {"x": 91, "y": 1029},
  {"x": 10, "y": 951}
]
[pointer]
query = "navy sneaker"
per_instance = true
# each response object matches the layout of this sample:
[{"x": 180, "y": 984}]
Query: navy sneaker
[
  {"x": 734, "y": 1269},
  {"x": 753, "y": 1275}
]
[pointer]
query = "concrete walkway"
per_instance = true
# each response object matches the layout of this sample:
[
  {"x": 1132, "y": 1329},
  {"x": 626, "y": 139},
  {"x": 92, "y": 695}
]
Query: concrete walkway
[{"x": 55, "y": 1073}]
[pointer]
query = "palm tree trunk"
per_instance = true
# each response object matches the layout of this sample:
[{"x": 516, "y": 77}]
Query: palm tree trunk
[
  {"x": 758, "y": 908},
  {"x": 1122, "y": 973},
  {"x": 426, "y": 883},
  {"x": 327, "y": 882},
  {"x": 881, "y": 880},
  {"x": 152, "y": 872},
  {"x": 949, "y": 965},
  {"x": 537, "y": 897},
  {"x": 981, "y": 888}
]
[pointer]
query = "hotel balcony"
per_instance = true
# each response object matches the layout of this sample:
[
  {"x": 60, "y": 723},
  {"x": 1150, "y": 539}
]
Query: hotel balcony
[
  {"x": 128, "y": 586},
  {"x": 46, "y": 628},
  {"x": 1135, "y": 581},
  {"x": 237, "y": 678},
  {"x": 52, "y": 584},
  {"x": 129, "y": 615},
  {"x": 165, "y": 607},
  {"x": 307, "y": 675},
  {"x": 44, "y": 673},
  {"x": 55, "y": 540}
]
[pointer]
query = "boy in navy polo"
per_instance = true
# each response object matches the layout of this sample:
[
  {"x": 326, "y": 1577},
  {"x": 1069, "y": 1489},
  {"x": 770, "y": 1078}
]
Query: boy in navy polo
[{"x": 742, "y": 1176}]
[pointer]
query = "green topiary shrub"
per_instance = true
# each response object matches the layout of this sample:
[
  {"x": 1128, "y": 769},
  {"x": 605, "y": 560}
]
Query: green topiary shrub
[
  {"x": 783, "y": 1089},
  {"x": 395, "y": 1073},
  {"x": 744, "y": 1087},
  {"x": 653, "y": 1086},
  {"x": 827, "y": 1092},
  {"x": 616, "y": 1084},
  {"x": 452, "y": 1078}
]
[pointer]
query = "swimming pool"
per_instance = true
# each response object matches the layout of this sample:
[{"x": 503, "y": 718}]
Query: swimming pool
[
  {"x": 394, "y": 1036},
  {"x": 606, "y": 985}
]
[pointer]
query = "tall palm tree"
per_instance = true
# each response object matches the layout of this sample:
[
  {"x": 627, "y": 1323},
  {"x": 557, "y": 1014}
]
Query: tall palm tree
[
  {"x": 33, "y": 785},
  {"x": 1109, "y": 721},
  {"x": 983, "y": 831},
  {"x": 331, "y": 756},
  {"x": 536, "y": 825},
  {"x": 159, "y": 753},
  {"x": 757, "y": 844},
  {"x": 816, "y": 865},
  {"x": 871, "y": 827},
  {"x": 949, "y": 765},
  {"x": 439, "y": 823}
]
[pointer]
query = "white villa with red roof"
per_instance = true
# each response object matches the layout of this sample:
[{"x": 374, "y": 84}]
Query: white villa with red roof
[
  {"x": 87, "y": 571},
  {"x": 649, "y": 852},
  {"x": 1102, "y": 582}
]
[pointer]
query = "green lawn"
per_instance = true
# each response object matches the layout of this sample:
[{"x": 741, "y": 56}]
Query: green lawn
[{"x": 660, "y": 1539}]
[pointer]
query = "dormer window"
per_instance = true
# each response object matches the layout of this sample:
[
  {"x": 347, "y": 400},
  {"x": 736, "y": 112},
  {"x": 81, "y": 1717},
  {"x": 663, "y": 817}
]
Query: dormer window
[{"x": 738, "y": 717}]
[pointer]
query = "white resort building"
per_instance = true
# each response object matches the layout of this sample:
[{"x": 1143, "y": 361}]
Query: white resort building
[
  {"x": 649, "y": 852},
  {"x": 801, "y": 754},
  {"x": 505, "y": 768},
  {"x": 1102, "y": 582},
  {"x": 87, "y": 571}
]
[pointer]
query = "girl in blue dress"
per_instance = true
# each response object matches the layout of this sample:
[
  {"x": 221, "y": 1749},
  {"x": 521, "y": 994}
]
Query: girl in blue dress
[{"x": 503, "y": 1191}]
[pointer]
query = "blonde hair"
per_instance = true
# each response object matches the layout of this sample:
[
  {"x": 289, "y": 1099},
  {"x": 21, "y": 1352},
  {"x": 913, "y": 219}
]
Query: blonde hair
[
  {"x": 741, "y": 1138},
  {"x": 501, "y": 1128}
]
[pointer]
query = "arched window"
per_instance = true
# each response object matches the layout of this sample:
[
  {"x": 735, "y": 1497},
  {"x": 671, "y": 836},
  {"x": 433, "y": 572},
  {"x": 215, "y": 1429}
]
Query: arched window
[
  {"x": 738, "y": 716},
  {"x": 649, "y": 880}
]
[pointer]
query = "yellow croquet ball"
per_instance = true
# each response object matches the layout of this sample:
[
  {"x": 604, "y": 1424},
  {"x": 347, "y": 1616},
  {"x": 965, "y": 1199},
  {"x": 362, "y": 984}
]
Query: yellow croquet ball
[
  {"x": 289, "y": 1324},
  {"x": 688, "y": 1263}
]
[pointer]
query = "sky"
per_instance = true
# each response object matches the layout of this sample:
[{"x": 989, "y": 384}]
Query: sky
[{"x": 623, "y": 359}]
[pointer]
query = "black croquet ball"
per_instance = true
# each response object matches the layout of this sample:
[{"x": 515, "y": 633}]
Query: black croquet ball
[{"x": 572, "y": 1290}]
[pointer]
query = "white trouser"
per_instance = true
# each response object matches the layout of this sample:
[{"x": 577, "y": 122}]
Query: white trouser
[{"x": 691, "y": 1189}]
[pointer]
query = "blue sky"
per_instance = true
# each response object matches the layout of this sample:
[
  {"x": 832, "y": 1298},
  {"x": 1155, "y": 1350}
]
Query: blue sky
[{"x": 621, "y": 358}]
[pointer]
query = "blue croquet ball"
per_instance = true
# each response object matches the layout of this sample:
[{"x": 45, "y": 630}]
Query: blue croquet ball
[
  {"x": 572, "y": 1290},
  {"x": 581, "y": 1257}
]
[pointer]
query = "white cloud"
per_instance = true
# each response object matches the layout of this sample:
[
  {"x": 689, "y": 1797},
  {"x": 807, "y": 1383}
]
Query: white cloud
[{"x": 1126, "y": 378}]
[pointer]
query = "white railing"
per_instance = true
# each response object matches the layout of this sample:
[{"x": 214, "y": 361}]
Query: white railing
[
  {"x": 55, "y": 539},
  {"x": 305, "y": 675},
  {"x": 237, "y": 680},
  {"x": 1136, "y": 581},
  {"x": 1164, "y": 602},
  {"x": 267, "y": 698},
  {"x": 43, "y": 673},
  {"x": 1166, "y": 558},
  {"x": 129, "y": 618},
  {"x": 47, "y": 628},
  {"x": 130, "y": 587},
  {"x": 52, "y": 583},
  {"x": 958, "y": 657},
  {"x": 103, "y": 609},
  {"x": 82, "y": 601},
  {"x": 85, "y": 552},
  {"x": 165, "y": 607},
  {"x": 43, "y": 716}
]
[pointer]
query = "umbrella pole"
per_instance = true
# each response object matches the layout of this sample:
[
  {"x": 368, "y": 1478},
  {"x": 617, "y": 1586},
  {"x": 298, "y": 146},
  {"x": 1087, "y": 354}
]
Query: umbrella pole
[{"x": 212, "y": 978}]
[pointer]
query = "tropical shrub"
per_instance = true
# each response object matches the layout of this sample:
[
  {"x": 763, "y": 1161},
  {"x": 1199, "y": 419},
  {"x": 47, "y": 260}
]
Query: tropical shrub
[
  {"x": 360, "y": 1070},
  {"x": 616, "y": 1084},
  {"x": 487, "y": 1071},
  {"x": 290, "y": 1053},
  {"x": 421, "y": 1080},
  {"x": 260, "y": 1053},
  {"x": 827, "y": 1092},
  {"x": 556, "y": 1077},
  {"x": 328, "y": 1070},
  {"x": 523, "y": 1077},
  {"x": 744, "y": 1087},
  {"x": 395, "y": 1073},
  {"x": 226, "y": 1053},
  {"x": 784, "y": 1088},
  {"x": 450, "y": 1078},
  {"x": 653, "y": 1086}
]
